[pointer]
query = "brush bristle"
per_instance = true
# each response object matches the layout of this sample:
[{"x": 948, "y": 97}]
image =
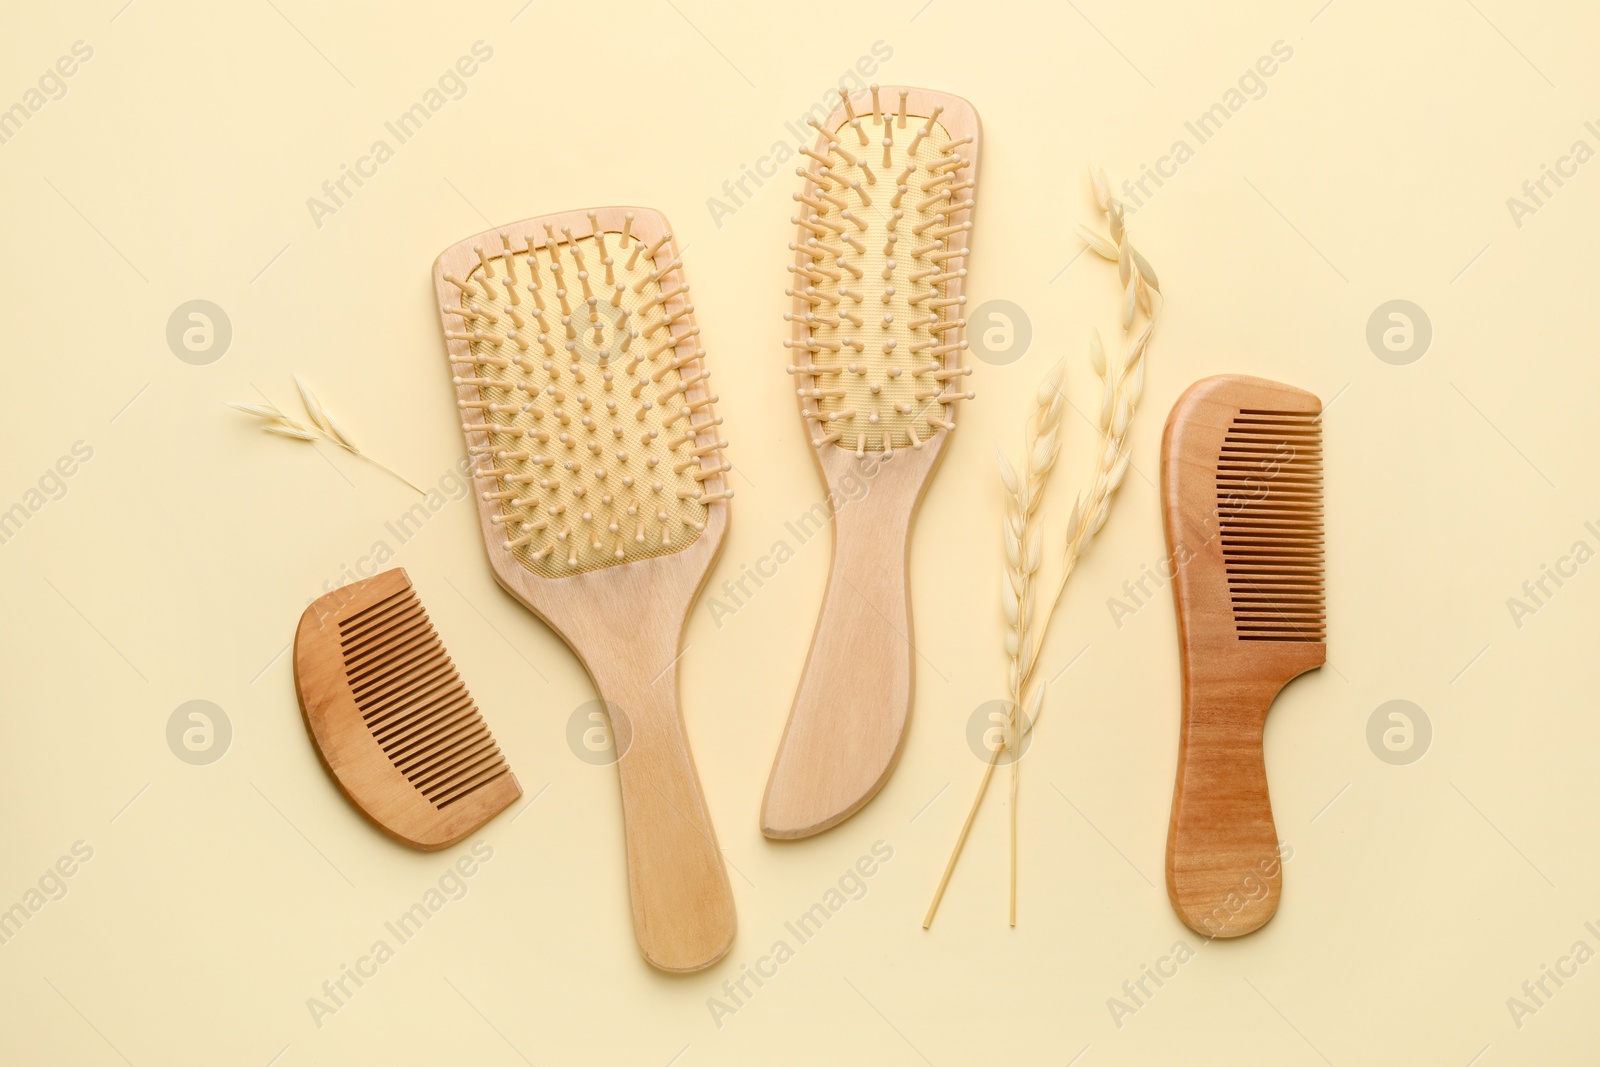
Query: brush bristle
[
  {"x": 414, "y": 703},
  {"x": 589, "y": 420},
  {"x": 1269, "y": 501},
  {"x": 878, "y": 325}
]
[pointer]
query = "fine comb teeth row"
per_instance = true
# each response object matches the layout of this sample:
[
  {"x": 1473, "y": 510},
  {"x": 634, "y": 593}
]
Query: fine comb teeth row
[
  {"x": 583, "y": 399},
  {"x": 877, "y": 276},
  {"x": 391, "y": 717},
  {"x": 414, "y": 702},
  {"x": 1269, "y": 502}
]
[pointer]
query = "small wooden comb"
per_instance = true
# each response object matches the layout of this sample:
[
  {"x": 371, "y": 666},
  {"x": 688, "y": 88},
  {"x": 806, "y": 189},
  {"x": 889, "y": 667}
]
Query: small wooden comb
[
  {"x": 1241, "y": 490},
  {"x": 392, "y": 720}
]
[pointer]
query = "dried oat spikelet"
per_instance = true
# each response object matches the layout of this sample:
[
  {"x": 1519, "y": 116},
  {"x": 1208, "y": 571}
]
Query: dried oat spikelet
[
  {"x": 1121, "y": 386},
  {"x": 323, "y": 426}
]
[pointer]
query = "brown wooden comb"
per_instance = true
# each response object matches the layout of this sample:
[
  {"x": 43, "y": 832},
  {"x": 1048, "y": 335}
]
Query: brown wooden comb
[
  {"x": 392, "y": 720},
  {"x": 1241, "y": 490}
]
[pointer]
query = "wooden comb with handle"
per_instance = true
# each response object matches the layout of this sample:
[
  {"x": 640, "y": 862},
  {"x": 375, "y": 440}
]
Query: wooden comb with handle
[
  {"x": 1241, "y": 491},
  {"x": 392, "y": 720},
  {"x": 602, "y": 499},
  {"x": 878, "y": 289}
]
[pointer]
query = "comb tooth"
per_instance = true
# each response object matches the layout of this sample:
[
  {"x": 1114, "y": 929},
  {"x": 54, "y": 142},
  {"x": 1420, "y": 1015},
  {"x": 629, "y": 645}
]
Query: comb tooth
[
  {"x": 438, "y": 687},
  {"x": 399, "y": 712},
  {"x": 435, "y": 748},
  {"x": 428, "y": 715},
  {"x": 467, "y": 775},
  {"x": 398, "y": 631},
  {"x": 355, "y": 628},
  {"x": 446, "y": 792},
  {"x": 446, "y": 713},
  {"x": 440, "y": 781},
  {"x": 386, "y": 661},
  {"x": 403, "y": 679},
  {"x": 424, "y": 766},
  {"x": 391, "y": 667},
  {"x": 468, "y": 778},
  {"x": 489, "y": 774},
  {"x": 356, "y": 618},
  {"x": 448, "y": 763},
  {"x": 381, "y": 630}
]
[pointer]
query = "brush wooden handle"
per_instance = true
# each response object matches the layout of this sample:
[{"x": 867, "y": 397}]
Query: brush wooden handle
[
  {"x": 849, "y": 716},
  {"x": 1223, "y": 873},
  {"x": 683, "y": 913}
]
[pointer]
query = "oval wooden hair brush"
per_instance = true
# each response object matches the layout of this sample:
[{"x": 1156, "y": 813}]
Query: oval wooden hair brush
[
  {"x": 877, "y": 336},
  {"x": 1241, "y": 491},
  {"x": 601, "y": 494}
]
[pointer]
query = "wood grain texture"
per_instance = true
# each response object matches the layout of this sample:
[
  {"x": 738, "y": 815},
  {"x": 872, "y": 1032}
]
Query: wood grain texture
[
  {"x": 851, "y": 710},
  {"x": 390, "y": 718},
  {"x": 1241, "y": 496},
  {"x": 625, "y": 624}
]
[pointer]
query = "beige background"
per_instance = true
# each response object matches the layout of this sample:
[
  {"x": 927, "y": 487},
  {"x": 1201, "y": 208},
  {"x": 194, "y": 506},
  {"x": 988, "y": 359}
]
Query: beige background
[{"x": 1375, "y": 166}]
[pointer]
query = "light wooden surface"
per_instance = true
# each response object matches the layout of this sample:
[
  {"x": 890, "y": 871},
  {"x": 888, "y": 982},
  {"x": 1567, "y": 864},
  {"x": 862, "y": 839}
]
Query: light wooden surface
[
  {"x": 1245, "y": 535},
  {"x": 391, "y": 719},
  {"x": 625, "y": 623},
  {"x": 851, "y": 710}
]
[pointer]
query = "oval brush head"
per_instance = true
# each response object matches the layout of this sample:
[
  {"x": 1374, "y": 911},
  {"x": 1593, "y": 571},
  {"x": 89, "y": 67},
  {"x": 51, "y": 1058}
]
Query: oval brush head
[
  {"x": 878, "y": 285},
  {"x": 878, "y": 277},
  {"x": 1241, "y": 474},
  {"x": 580, "y": 392}
]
